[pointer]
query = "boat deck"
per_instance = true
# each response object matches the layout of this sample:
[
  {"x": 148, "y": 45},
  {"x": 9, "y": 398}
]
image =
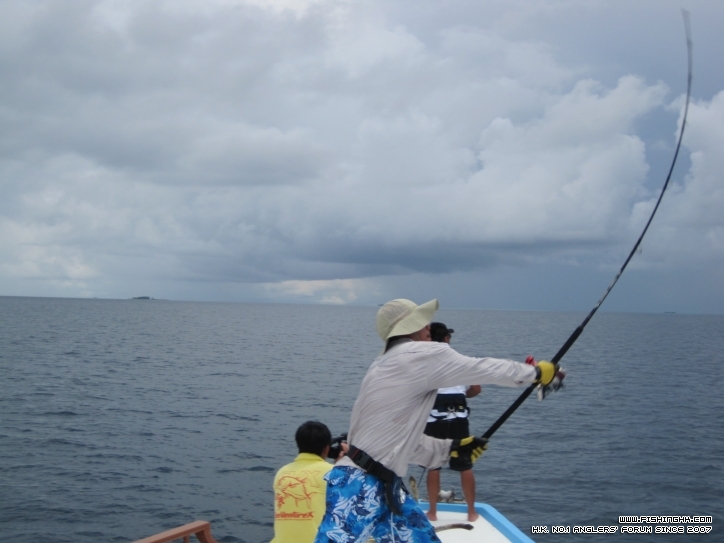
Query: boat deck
[{"x": 491, "y": 526}]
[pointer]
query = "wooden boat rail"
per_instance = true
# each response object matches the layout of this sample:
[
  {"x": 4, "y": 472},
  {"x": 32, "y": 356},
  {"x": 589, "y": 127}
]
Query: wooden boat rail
[{"x": 200, "y": 528}]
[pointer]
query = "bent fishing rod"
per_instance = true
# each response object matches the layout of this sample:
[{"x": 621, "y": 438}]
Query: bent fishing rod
[{"x": 577, "y": 332}]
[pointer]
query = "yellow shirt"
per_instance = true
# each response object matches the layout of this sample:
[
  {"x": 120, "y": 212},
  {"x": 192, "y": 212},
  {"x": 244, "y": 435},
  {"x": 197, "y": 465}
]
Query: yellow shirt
[{"x": 299, "y": 499}]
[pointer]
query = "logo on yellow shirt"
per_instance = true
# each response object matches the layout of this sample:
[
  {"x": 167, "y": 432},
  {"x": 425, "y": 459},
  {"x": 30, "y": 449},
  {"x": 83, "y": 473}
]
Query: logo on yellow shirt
[{"x": 300, "y": 488}]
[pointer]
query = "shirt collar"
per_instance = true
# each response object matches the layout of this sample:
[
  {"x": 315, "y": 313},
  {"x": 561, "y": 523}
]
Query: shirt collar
[{"x": 308, "y": 457}]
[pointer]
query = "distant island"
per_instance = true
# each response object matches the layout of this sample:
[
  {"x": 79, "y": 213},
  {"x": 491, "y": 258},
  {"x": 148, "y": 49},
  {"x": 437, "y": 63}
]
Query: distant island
[{"x": 142, "y": 298}]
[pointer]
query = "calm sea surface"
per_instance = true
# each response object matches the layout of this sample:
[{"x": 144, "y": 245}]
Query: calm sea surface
[{"x": 122, "y": 418}]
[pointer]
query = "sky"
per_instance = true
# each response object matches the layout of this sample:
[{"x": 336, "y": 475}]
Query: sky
[{"x": 493, "y": 154}]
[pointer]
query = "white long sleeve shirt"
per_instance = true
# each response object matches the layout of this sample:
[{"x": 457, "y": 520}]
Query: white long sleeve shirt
[{"x": 399, "y": 390}]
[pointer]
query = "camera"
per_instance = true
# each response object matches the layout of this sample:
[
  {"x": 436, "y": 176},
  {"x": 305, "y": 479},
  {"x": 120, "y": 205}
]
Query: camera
[{"x": 336, "y": 447}]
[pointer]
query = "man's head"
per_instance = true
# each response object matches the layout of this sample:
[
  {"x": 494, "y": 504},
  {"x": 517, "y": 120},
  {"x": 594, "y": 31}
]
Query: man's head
[
  {"x": 440, "y": 333},
  {"x": 313, "y": 437},
  {"x": 405, "y": 318}
]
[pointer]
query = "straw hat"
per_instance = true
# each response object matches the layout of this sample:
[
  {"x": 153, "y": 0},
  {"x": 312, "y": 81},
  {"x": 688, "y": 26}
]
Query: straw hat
[{"x": 401, "y": 317}]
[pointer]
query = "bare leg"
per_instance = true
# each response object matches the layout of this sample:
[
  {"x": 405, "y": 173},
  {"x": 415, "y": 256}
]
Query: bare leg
[
  {"x": 433, "y": 489},
  {"x": 467, "y": 480}
]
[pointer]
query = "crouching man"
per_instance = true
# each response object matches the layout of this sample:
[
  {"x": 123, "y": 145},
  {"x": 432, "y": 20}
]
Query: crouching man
[
  {"x": 365, "y": 496},
  {"x": 300, "y": 488}
]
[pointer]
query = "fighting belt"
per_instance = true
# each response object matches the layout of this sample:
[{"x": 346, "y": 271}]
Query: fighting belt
[{"x": 393, "y": 484}]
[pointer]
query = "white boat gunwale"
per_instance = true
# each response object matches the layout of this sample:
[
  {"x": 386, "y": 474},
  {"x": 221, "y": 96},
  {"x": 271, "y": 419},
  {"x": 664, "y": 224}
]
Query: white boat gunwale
[{"x": 202, "y": 529}]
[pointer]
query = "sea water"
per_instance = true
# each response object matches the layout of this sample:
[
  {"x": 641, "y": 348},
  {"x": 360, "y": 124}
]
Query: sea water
[{"x": 123, "y": 418}]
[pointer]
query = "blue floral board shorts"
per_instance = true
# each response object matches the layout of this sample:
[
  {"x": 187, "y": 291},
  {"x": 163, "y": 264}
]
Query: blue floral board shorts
[{"x": 357, "y": 510}]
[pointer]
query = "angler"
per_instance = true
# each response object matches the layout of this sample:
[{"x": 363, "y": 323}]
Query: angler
[{"x": 365, "y": 496}]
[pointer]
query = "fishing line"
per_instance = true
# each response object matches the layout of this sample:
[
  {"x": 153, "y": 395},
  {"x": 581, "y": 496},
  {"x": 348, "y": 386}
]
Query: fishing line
[{"x": 577, "y": 332}]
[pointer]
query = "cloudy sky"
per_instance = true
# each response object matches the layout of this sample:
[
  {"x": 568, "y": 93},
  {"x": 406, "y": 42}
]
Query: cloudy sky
[{"x": 499, "y": 154}]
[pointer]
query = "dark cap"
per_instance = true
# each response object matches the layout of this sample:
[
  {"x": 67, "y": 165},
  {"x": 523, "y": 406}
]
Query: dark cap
[{"x": 438, "y": 331}]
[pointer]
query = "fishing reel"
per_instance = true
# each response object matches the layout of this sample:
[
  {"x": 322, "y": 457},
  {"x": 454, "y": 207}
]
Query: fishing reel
[{"x": 336, "y": 448}]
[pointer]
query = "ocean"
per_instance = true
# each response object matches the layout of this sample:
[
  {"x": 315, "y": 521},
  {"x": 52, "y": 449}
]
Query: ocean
[{"x": 123, "y": 418}]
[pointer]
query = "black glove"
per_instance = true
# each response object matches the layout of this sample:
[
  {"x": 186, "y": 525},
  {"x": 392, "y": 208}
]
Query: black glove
[{"x": 471, "y": 447}]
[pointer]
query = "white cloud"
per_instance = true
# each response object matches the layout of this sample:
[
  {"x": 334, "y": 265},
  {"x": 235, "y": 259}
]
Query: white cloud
[
  {"x": 691, "y": 220},
  {"x": 333, "y": 292},
  {"x": 358, "y": 47}
]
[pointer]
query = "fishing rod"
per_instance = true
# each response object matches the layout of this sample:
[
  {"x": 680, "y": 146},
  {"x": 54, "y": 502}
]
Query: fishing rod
[{"x": 577, "y": 332}]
